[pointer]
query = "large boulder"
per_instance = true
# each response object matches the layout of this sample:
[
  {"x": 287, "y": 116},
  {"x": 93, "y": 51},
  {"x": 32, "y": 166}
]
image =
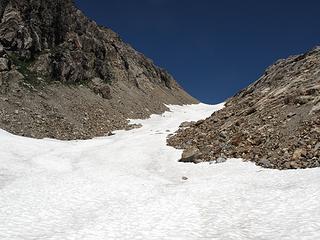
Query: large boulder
[
  {"x": 101, "y": 88},
  {"x": 4, "y": 64},
  {"x": 190, "y": 154}
]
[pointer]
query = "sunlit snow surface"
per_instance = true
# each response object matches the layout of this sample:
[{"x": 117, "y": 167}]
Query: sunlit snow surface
[{"x": 129, "y": 186}]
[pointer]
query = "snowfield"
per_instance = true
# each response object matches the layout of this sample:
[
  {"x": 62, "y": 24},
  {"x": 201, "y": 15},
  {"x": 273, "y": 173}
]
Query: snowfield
[{"x": 129, "y": 186}]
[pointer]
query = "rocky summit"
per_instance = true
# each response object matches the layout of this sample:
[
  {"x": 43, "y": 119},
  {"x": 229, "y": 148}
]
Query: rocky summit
[
  {"x": 63, "y": 76},
  {"x": 275, "y": 122}
]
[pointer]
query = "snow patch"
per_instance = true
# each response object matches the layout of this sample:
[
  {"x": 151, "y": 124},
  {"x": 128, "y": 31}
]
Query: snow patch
[{"x": 130, "y": 186}]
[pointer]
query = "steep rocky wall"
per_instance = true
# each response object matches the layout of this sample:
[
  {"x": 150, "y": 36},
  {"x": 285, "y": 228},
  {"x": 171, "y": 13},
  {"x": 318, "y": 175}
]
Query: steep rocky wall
[{"x": 50, "y": 50}]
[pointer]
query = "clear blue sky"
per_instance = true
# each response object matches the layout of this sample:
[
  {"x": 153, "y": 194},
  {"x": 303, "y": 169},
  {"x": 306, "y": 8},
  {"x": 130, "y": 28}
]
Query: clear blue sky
[{"x": 212, "y": 48}]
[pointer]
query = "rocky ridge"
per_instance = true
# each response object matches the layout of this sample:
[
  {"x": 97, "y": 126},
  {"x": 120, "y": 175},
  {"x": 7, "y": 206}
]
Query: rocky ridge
[
  {"x": 63, "y": 76},
  {"x": 274, "y": 122}
]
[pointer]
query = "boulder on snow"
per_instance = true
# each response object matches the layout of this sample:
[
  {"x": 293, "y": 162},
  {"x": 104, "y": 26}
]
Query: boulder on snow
[{"x": 191, "y": 154}]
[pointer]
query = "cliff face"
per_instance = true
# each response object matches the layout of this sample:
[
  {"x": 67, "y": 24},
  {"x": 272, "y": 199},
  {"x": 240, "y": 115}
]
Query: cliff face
[
  {"x": 64, "y": 76},
  {"x": 274, "y": 122}
]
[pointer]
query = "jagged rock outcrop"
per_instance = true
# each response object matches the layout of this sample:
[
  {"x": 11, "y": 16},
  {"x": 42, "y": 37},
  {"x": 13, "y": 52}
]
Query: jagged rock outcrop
[
  {"x": 275, "y": 122},
  {"x": 63, "y": 76}
]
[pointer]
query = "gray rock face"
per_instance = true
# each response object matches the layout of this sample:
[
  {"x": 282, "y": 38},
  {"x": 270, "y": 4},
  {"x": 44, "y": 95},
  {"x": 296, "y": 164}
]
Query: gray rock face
[
  {"x": 1, "y": 50},
  {"x": 274, "y": 122},
  {"x": 75, "y": 49},
  {"x": 59, "y": 52}
]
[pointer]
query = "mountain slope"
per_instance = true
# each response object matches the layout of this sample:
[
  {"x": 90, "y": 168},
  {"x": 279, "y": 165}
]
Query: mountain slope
[
  {"x": 63, "y": 76},
  {"x": 274, "y": 122}
]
